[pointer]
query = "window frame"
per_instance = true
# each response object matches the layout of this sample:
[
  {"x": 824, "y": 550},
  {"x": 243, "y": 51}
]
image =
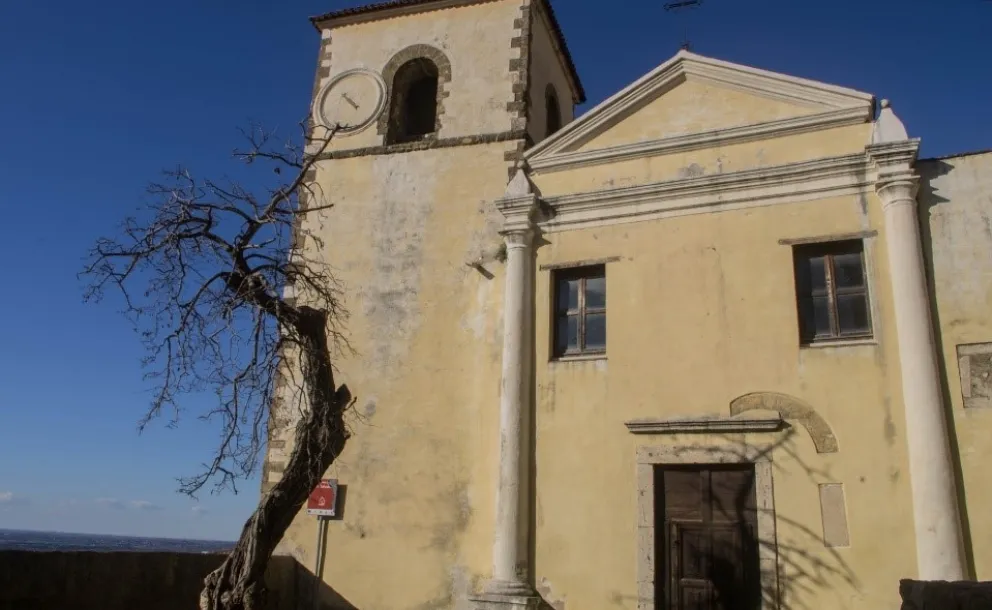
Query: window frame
[
  {"x": 409, "y": 74},
  {"x": 551, "y": 101},
  {"x": 560, "y": 278},
  {"x": 806, "y": 295}
]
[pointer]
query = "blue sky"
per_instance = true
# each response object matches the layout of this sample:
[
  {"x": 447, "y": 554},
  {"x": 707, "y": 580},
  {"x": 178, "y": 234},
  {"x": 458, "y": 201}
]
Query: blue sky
[{"x": 97, "y": 97}]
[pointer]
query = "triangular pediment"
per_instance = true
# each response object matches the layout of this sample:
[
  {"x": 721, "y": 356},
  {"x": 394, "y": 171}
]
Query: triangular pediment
[{"x": 692, "y": 100}]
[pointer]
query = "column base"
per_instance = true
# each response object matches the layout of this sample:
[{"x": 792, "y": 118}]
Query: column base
[
  {"x": 503, "y": 601},
  {"x": 506, "y": 595}
]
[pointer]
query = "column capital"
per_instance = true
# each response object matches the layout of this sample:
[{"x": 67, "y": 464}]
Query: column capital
[
  {"x": 896, "y": 180},
  {"x": 518, "y": 237},
  {"x": 898, "y": 189}
]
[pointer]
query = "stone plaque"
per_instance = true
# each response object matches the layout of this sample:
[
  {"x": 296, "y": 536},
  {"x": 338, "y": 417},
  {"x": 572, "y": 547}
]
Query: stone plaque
[
  {"x": 975, "y": 368},
  {"x": 833, "y": 509}
]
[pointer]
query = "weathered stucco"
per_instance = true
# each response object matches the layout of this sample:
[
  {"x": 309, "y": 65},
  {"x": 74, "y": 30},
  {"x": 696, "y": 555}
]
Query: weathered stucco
[
  {"x": 956, "y": 220},
  {"x": 546, "y": 68},
  {"x": 425, "y": 327},
  {"x": 701, "y": 321},
  {"x": 701, "y": 310},
  {"x": 476, "y": 40},
  {"x": 705, "y": 161},
  {"x": 424, "y": 324},
  {"x": 690, "y": 107}
]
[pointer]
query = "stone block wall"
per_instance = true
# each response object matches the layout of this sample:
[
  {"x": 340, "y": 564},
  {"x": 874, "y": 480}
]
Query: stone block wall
[
  {"x": 122, "y": 581},
  {"x": 918, "y": 595}
]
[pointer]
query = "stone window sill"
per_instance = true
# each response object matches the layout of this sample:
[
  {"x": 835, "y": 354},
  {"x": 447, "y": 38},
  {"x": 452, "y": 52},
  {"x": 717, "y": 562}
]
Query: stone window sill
[
  {"x": 578, "y": 358},
  {"x": 865, "y": 342}
]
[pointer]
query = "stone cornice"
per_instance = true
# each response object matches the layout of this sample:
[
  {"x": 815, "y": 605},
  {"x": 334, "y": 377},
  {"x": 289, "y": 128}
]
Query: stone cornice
[
  {"x": 848, "y": 174},
  {"x": 703, "y": 139},
  {"x": 896, "y": 180},
  {"x": 518, "y": 213},
  {"x": 689, "y": 65},
  {"x": 429, "y": 143},
  {"x": 893, "y": 154}
]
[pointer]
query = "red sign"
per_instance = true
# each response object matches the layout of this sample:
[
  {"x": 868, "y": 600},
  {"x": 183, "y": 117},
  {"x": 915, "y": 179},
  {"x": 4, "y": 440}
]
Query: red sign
[{"x": 323, "y": 499}]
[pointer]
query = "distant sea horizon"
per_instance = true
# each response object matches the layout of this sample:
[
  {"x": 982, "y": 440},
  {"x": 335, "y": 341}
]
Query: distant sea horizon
[{"x": 26, "y": 540}]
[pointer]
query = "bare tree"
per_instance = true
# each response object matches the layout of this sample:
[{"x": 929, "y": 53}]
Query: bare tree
[{"x": 205, "y": 272}]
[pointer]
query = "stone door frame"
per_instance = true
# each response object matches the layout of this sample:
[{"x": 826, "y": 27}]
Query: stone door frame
[{"x": 703, "y": 454}]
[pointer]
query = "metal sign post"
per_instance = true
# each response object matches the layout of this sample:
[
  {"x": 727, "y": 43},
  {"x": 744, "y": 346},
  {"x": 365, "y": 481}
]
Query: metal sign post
[
  {"x": 322, "y": 503},
  {"x": 323, "y": 499}
]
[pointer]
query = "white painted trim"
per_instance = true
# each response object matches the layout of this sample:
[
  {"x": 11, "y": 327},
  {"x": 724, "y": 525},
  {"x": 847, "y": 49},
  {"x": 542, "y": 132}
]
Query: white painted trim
[
  {"x": 706, "y": 453},
  {"x": 690, "y": 65},
  {"x": 703, "y": 139},
  {"x": 831, "y": 176}
]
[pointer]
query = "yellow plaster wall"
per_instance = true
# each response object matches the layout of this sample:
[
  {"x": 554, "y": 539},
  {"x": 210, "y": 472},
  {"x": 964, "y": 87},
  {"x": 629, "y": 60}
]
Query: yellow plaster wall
[
  {"x": 707, "y": 161},
  {"x": 701, "y": 310},
  {"x": 417, "y": 526},
  {"x": 475, "y": 39},
  {"x": 546, "y": 68},
  {"x": 691, "y": 106},
  {"x": 956, "y": 216}
]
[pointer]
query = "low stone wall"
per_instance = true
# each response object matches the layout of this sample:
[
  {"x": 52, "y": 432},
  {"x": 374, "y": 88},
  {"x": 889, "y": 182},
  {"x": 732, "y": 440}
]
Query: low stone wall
[
  {"x": 938, "y": 595},
  {"x": 122, "y": 581}
]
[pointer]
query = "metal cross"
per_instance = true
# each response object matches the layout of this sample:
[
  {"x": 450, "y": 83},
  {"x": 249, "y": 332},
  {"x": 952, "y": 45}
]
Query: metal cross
[{"x": 682, "y": 5}]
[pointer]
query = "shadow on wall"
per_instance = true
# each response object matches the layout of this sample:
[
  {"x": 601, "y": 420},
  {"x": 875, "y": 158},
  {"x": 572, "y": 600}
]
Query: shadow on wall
[
  {"x": 804, "y": 566},
  {"x": 31, "y": 580},
  {"x": 930, "y": 202},
  {"x": 803, "y": 571},
  {"x": 311, "y": 593}
]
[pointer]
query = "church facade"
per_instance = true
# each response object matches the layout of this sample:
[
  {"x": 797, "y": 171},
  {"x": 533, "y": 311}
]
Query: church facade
[{"x": 722, "y": 341}]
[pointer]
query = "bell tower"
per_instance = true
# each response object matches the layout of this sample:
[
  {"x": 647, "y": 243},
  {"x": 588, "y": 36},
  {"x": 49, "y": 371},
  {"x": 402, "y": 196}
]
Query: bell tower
[
  {"x": 434, "y": 103},
  {"x": 441, "y": 73}
]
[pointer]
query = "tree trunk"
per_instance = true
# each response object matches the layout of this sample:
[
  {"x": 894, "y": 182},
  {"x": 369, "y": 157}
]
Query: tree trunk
[{"x": 238, "y": 584}]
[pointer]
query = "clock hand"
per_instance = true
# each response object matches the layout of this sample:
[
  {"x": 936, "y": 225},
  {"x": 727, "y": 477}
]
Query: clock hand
[{"x": 349, "y": 100}]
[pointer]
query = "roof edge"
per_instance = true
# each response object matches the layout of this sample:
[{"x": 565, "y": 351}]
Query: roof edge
[
  {"x": 831, "y": 88},
  {"x": 680, "y": 65},
  {"x": 384, "y": 10},
  {"x": 967, "y": 153},
  {"x": 398, "y": 8},
  {"x": 573, "y": 73}
]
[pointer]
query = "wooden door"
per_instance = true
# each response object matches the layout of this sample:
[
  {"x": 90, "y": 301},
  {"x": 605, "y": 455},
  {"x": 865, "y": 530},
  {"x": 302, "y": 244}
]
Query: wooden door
[{"x": 707, "y": 543}]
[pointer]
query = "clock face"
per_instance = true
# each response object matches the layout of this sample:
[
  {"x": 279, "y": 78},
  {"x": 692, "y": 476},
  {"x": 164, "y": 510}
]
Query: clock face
[{"x": 353, "y": 100}]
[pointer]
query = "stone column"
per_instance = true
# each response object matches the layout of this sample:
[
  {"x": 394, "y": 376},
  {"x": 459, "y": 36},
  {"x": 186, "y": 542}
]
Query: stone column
[
  {"x": 507, "y": 553},
  {"x": 939, "y": 544},
  {"x": 509, "y": 585}
]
